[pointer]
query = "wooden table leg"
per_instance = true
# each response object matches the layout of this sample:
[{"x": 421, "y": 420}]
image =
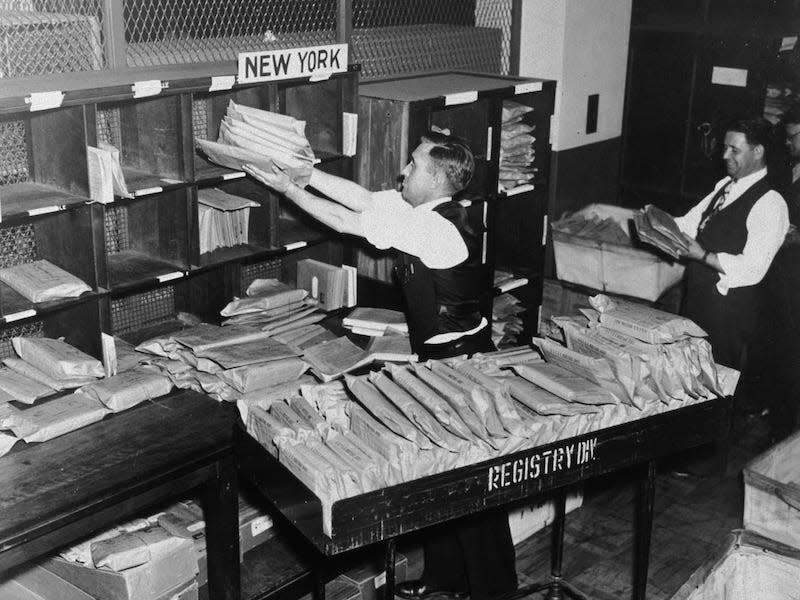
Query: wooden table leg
[
  {"x": 388, "y": 589},
  {"x": 644, "y": 527},
  {"x": 221, "y": 515}
]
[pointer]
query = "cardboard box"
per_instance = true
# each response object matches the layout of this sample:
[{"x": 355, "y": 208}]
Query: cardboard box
[
  {"x": 370, "y": 576},
  {"x": 150, "y": 581},
  {"x": 750, "y": 567},
  {"x": 609, "y": 267},
  {"x": 772, "y": 492},
  {"x": 37, "y": 583}
]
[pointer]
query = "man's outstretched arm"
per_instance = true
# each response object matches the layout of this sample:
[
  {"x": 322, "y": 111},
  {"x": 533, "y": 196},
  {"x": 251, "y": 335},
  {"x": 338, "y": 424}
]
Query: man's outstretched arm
[{"x": 339, "y": 217}]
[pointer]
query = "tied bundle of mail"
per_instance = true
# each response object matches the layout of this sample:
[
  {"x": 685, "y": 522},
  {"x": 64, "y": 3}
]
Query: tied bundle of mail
[
  {"x": 633, "y": 354},
  {"x": 227, "y": 363},
  {"x": 516, "y": 146},
  {"x": 262, "y": 138},
  {"x": 281, "y": 311},
  {"x": 658, "y": 228},
  {"x": 42, "y": 281}
]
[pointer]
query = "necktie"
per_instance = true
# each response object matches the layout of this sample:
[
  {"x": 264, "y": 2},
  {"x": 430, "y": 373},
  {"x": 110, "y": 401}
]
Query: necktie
[{"x": 719, "y": 201}]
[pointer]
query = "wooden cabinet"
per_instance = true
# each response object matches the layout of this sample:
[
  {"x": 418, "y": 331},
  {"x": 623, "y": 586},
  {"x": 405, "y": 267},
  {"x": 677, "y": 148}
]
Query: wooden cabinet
[
  {"x": 141, "y": 255},
  {"x": 396, "y": 112},
  {"x": 691, "y": 72}
]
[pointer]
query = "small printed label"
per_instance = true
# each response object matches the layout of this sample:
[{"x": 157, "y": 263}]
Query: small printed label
[
  {"x": 788, "y": 43},
  {"x": 143, "y": 89},
  {"x": 528, "y": 86},
  {"x": 170, "y": 276},
  {"x": 260, "y": 525},
  {"x": 512, "y": 284},
  {"x": 536, "y": 464},
  {"x": 489, "y": 135},
  {"x": 222, "y": 82},
  {"x": 23, "y": 314},
  {"x": 236, "y": 175},
  {"x": 148, "y": 191},
  {"x": 729, "y": 76},
  {"x": 316, "y": 62},
  {"x": 380, "y": 579},
  {"x": 320, "y": 77},
  {"x": 45, "y": 209},
  {"x": 295, "y": 245},
  {"x": 199, "y": 526},
  {"x": 461, "y": 97},
  {"x": 45, "y": 100},
  {"x": 544, "y": 230}
]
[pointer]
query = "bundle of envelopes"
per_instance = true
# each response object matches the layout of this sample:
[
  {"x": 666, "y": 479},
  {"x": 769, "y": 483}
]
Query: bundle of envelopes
[
  {"x": 262, "y": 138},
  {"x": 603, "y": 229},
  {"x": 227, "y": 363},
  {"x": 658, "y": 228},
  {"x": 516, "y": 146},
  {"x": 631, "y": 353},
  {"x": 284, "y": 312},
  {"x": 41, "y": 280},
  {"x": 224, "y": 219},
  {"x": 44, "y": 367}
]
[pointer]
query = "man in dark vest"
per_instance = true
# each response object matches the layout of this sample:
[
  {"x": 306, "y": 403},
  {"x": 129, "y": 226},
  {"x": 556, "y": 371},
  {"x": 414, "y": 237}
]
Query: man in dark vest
[
  {"x": 733, "y": 235},
  {"x": 443, "y": 281}
]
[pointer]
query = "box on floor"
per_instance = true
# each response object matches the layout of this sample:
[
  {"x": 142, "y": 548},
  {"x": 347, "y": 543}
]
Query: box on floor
[
  {"x": 150, "y": 581},
  {"x": 370, "y": 576},
  {"x": 37, "y": 583},
  {"x": 772, "y": 492},
  {"x": 749, "y": 567}
]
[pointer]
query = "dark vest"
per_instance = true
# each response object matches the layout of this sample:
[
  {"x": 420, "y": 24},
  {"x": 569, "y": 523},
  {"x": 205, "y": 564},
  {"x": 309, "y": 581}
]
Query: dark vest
[
  {"x": 444, "y": 300},
  {"x": 729, "y": 320}
]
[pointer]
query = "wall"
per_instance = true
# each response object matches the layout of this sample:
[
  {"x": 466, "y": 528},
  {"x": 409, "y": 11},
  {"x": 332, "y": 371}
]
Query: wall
[{"x": 583, "y": 44}]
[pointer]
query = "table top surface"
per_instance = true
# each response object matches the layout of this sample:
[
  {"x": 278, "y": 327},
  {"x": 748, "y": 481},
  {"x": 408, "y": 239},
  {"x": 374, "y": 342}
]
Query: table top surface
[{"x": 49, "y": 484}]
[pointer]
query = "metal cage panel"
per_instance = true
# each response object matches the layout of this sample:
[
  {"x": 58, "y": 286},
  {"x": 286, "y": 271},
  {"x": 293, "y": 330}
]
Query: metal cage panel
[
  {"x": 139, "y": 311},
  {"x": 164, "y": 32},
  {"x": 17, "y": 245},
  {"x": 268, "y": 269},
  {"x": 13, "y": 152},
  {"x": 33, "y": 329},
  {"x": 50, "y": 36}
]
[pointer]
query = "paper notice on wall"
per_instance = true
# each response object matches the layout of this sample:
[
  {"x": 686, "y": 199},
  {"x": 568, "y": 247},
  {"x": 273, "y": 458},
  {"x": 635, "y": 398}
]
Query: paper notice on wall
[{"x": 729, "y": 76}]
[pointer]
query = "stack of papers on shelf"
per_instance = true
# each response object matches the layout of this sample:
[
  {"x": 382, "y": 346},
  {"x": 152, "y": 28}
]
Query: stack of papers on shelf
[
  {"x": 331, "y": 286},
  {"x": 106, "y": 178},
  {"x": 365, "y": 320},
  {"x": 41, "y": 280},
  {"x": 262, "y": 138},
  {"x": 658, "y": 228},
  {"x": 517, "y": 154},
  {"x": 224, "y": 219}
]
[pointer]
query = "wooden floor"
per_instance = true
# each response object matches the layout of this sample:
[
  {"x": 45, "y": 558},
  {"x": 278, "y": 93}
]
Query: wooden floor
[{"x": 692, "y": 518}]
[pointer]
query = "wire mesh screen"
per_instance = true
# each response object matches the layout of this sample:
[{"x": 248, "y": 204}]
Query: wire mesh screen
[
  {"x": 269, "y": 269},
  {"x": 39, "y": 37},
  {"x": 162, "y": 32},
  {"x": 116, "y": 229},
  {"x": 13, "y": 152},
  {"x": 34, "y": 329},
  {"x": 109, "y": 128},
  {"x": 391, "y": 38},
  {"x": 139, "y": 311},
  {"x": 17, "y": 245},
  {"x": 200, "y": 118}
]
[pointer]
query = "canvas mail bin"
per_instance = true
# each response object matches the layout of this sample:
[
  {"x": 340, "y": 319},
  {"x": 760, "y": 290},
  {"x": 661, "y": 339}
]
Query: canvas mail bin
[{"x": 772, "y": 493}]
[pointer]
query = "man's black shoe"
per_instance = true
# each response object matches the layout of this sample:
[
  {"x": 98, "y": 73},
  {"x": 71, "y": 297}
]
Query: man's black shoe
[{"x": 416, "y": 589}]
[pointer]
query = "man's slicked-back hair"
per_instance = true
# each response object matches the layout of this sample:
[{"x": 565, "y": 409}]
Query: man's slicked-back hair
[
  {"x": 756, "y": 131},
  {"x": 453, "y": 156}
]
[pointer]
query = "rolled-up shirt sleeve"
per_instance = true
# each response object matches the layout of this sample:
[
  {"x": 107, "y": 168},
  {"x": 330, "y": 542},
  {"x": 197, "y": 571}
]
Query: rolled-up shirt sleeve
[
  {"x": 767, "y": 225},
  {"x": 390, "y": 222}
]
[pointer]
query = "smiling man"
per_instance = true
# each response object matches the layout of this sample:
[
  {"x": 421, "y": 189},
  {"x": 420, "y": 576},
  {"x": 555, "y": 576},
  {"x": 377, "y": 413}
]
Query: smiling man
[{"x": 733, "y": 235}]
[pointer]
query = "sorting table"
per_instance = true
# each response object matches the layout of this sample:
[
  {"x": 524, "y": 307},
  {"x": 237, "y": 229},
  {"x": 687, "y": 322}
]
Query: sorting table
[
  {"x": 56, "y": 492},
  {"x": 383, "y": 515}
]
